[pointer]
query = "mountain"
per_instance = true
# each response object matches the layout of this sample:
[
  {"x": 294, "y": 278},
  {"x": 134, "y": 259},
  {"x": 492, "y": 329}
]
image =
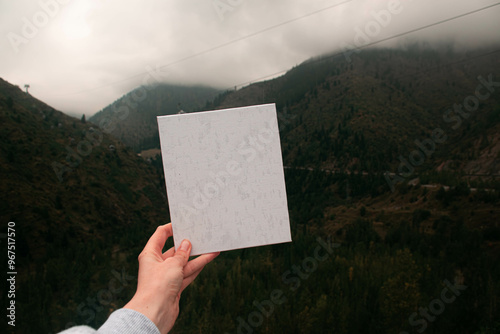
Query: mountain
[
  {"x": 135, "y": 113},
  {"x": 365, "y": 258},
  {"x": 81, "y": 201},
  {"x": 368, "y": 114},
  {"x": 365, "y": 114}
]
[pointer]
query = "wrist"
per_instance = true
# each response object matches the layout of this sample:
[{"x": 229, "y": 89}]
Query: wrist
[{"x": 161, "y": 315}]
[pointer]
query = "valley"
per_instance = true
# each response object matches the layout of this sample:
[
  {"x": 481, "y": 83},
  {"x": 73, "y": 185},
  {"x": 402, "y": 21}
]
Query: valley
[{"x": 393, "y": 157}]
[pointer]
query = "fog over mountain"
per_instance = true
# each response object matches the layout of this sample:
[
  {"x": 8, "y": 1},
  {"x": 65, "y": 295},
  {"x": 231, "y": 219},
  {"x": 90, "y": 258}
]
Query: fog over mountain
[{"x": 81, "y": 55}]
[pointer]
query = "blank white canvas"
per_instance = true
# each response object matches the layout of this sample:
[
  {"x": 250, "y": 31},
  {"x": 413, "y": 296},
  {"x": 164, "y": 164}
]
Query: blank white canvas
[{"x": 224, "y": 178}]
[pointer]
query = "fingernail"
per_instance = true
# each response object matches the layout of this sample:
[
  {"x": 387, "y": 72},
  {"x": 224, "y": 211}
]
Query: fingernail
[{"x": 184, "y": 245}]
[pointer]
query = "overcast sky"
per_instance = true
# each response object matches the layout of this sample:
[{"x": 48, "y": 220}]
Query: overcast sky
[{"x": 81, "y": 55}]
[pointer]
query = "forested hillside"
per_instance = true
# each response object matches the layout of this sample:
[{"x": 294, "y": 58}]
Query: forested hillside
[
  {"x": 364, "y": 258},
  {"x": 362, "y": 115},
  {"x": 359, "y": 115},
  {"x": 83, "y": 204}
]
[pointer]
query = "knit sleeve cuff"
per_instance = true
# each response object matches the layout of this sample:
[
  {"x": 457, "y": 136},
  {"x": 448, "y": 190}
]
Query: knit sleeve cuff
[{"x": 127, "y": 321}]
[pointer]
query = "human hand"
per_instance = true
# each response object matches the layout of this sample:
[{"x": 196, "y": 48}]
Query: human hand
[{"x": 163, "y": 277}]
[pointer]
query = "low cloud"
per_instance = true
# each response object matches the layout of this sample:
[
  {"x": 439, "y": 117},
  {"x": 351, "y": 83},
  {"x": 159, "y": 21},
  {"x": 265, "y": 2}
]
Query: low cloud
[{"x": 89, "y": 53}]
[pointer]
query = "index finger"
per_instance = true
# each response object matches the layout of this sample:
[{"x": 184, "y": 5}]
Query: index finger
[
  {"x": 158, "y": 239},
  {"x": 197, "y": 264}
]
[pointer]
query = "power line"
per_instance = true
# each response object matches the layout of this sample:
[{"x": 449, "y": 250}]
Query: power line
[
  {"x": 282, "y": 24},
  {"x": 239, "y": 39},
  {"x": 377, "y": 42}
]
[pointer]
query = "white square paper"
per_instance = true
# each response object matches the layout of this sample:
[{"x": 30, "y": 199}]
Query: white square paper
[{"x": 224, "y": 177}]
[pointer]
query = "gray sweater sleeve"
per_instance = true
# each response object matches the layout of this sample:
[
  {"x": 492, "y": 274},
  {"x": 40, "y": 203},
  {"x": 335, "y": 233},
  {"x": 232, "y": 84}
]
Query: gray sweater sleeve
[{"x": 122, "y": 321}]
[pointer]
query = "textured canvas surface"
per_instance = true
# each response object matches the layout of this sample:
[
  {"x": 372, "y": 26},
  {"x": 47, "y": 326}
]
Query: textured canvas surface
[{"x": 224, "y": 178}]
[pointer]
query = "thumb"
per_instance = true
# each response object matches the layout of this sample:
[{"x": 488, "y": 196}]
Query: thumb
[{"x": 182, "y": 253}]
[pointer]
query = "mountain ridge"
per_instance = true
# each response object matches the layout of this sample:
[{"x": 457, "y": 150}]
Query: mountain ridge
[
  {"x": 134, "y": 115},
  {"x": 365, "y": 114}
]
